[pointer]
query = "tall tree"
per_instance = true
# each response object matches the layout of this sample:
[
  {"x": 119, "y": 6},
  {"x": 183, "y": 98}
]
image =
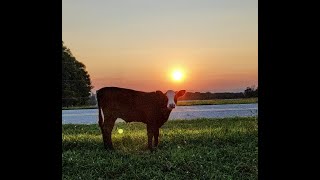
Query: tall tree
[{"x": 76, "y": 83}]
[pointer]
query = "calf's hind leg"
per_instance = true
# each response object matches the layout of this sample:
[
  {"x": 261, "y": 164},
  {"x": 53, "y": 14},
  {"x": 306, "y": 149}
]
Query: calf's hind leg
[{"x": 107, "y": 130}]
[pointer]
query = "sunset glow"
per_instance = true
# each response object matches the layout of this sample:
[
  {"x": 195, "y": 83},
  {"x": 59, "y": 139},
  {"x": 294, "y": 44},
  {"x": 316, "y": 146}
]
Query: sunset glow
[{"x": 199, "y": 45}]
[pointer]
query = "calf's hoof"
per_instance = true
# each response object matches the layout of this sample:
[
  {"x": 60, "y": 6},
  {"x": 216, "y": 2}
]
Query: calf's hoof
[
  {"x": 153, "y": 149},
  {"x": 109, "y": 148}
]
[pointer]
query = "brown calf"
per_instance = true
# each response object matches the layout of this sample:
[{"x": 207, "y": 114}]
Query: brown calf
[{"x": 151, "y": 108}]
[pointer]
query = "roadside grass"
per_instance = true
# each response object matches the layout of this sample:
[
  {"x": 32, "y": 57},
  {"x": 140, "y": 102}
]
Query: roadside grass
[
  {"x": 191, "y": 103},
  {"x": 189, "y": 149},
  {"x": 218, "y": 101},
  {"x": 79, "y": 107}
]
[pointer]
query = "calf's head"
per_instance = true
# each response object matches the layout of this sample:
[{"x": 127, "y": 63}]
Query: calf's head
[{"x": 170, "y": 98}]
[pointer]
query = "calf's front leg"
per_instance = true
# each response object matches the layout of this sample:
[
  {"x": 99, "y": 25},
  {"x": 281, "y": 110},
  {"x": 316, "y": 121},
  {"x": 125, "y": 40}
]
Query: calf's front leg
[
  {"x": 156, "y": 137},
  {"x": 150, "y": 133}
]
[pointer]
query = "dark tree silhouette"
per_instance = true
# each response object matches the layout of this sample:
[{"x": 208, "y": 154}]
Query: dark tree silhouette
[
  {"x": 251, "y": 92},
  {"x": 76, "y": 83}
]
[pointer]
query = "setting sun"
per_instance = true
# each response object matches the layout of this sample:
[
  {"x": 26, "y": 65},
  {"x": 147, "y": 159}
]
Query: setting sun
[{"x": 177, "y": 75}]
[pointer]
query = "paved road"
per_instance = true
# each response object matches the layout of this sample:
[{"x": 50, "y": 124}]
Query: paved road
[{"x": 90, "y": 116}]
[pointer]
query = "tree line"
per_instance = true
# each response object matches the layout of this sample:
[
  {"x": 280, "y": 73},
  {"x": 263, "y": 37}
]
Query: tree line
[{"x": 249, "y": 92}]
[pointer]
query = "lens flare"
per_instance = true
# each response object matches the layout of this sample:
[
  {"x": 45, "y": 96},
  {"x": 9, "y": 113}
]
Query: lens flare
[{"x": 120, "y": 131}]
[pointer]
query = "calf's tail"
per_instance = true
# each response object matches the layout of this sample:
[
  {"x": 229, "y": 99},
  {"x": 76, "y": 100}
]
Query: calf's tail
[{"x": 99, "y": 109}]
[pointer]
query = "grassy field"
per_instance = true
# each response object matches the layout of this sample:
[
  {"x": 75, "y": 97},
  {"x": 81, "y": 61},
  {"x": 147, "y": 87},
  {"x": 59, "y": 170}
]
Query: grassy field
[
  {"x": 189, "y": 149},
  {"x": 192, "y": 103}
]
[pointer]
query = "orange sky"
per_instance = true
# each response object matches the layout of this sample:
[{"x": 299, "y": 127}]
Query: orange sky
[{"x": 137, "y": 45}]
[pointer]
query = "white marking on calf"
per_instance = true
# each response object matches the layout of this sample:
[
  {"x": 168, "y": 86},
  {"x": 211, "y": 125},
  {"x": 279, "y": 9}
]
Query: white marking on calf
[
  {"x": 102, "y": 115},
  {"x": 171, "y": 94}
]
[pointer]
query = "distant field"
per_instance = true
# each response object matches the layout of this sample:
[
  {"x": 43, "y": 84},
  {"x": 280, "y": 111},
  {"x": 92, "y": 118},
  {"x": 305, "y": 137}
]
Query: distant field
[
  {"x": 189, "y": 149},
  {"x": 193, "y": 102}
]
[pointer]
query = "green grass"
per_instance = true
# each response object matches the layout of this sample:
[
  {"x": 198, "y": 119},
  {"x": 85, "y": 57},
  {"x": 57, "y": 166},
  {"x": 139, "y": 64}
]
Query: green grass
[
  {"x": 218, "y": 101},
  {"x": 192, "y": 103},
  {"x": 189, "y": 149}
]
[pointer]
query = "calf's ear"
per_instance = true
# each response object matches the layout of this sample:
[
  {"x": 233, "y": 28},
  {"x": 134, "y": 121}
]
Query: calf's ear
[
  {"x": 161, "y": 99},
  {"x": 159, "y": 92},
  {"x": 180, "y": 93}
]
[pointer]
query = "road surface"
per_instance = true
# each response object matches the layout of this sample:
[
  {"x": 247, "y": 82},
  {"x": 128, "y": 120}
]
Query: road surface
[{"x": 90, "y": 116}]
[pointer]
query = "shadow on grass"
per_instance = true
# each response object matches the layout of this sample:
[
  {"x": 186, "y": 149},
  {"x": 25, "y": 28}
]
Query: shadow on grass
[
  {"x": 186, "y": 135},
  {"x": 135, "y": 144}
]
